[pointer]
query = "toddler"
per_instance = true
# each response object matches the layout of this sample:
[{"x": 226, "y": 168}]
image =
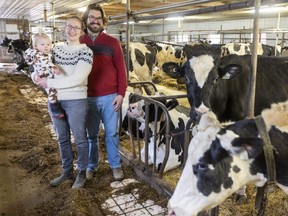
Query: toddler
[{"x": 41, "y": 58}]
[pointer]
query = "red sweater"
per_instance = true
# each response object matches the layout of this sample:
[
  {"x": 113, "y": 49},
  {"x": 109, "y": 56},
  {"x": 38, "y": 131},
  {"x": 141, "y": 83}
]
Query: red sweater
[{"x": 108, "y": 74}]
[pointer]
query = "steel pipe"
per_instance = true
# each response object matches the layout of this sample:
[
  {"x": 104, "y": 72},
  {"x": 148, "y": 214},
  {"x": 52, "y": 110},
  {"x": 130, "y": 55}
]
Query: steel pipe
[
  {"x": 227, "y": 7},
  {"x": 170, "y": 6}
]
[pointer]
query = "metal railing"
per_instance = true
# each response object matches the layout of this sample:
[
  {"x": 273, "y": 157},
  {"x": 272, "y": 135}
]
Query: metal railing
[{"x": 166, "y": 121}]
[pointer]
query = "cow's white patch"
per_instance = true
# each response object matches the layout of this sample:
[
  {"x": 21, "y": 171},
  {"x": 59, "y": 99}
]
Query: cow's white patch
[
  {"x": 202, "y": 108},
  {"x": 243, "y": 49},
  {"x": 277, "y": 116},
  {"x": 201, "y": 66},
  {"x": 226, "y": 140}
]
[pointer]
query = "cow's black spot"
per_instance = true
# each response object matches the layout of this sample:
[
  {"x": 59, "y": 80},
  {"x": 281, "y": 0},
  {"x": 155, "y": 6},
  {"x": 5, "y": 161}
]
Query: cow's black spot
[
  {"x": 212, "y": 180},
  {"x": 236, "y": 47},
  {"x": 178, "y": 53},
  {"x": 236, "y": 169},
  {"x": 150, "y": 59},
  {"x": 228, "y": 183},
  {"x": 140, "y": 57}
]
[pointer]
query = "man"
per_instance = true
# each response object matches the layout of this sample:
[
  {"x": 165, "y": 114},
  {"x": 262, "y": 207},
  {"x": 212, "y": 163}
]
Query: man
[{"x": 107, "y": 84}]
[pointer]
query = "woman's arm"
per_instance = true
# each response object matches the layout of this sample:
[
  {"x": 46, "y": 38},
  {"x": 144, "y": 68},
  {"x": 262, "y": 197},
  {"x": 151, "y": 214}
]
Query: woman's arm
[{"x": 80, "y": 74}]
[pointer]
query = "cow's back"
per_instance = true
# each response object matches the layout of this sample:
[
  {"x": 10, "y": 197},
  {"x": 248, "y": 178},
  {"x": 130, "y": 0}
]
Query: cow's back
[{"x": 272, "y": 79}]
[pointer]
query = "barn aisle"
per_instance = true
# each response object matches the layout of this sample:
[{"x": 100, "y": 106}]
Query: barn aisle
[{"x": 30, "y": 159}]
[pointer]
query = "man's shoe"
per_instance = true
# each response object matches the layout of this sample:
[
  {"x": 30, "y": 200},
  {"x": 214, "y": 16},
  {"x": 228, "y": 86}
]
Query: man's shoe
[
  {"x": 80, "y": 180},
  {"x": 90, "y": 174},
  {"x": 118, "y": 174},
  {"x": 59, "y": 180}
]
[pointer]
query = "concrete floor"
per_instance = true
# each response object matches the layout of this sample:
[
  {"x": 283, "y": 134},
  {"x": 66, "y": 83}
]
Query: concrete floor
[{"x": 128, "y": 204}]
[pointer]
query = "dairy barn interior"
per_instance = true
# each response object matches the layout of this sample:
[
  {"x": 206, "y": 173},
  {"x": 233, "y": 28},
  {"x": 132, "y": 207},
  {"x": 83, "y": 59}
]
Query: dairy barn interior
[{"x": 29, "y": 156}]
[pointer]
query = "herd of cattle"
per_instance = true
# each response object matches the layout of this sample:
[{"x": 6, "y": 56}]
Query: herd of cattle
[
  {"x": 226, "y": 151},
  {"x": 219, "y": 81}
]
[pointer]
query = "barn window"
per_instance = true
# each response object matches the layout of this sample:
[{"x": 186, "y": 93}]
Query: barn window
[
  {"x": 214, "y": 38},
  {"x": 181, "y": 38}
]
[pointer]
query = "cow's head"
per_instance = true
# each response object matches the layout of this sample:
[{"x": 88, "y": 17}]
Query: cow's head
[
  {"x": 18, "y": 45},
  {"x": 137, "y": 110},
  {"x": 202, "y": 72},
  {"x": 10, "y": 48},
  {"x": 220, "y": 161}
]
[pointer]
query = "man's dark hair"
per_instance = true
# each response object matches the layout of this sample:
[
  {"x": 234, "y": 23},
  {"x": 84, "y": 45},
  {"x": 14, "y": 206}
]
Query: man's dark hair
[{"x": 94, "y": 7}]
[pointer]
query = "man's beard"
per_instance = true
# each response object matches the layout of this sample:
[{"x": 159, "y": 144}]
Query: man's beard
[{"x": 93, "y": 29}]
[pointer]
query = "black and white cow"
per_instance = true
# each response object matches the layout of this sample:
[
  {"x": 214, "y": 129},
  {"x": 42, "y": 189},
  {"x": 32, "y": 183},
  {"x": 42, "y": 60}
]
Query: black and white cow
[
  {"x": 246, "y": 49},
  {"x": 146, "y": 59},
  {"x": 17, "y": 47},
  {"x": 142, "y": 64},
  {"x": 136, "y": 111},
  {"x": 166, "y": 53},
  {"x": 6, "y": 41},
  {"x": 223, "y": 158},
  {"x": 223, "y": 84}
]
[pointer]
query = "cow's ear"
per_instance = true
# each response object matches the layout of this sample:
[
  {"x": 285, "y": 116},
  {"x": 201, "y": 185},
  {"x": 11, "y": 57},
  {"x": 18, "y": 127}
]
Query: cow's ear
[
  {"x": 248, "y": 148},
  {"x": 230, "y": 71}
]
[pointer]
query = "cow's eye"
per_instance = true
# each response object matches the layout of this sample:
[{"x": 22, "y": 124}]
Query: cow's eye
[
  {"x": 202, "y": 166},
  {"x": 199, "y": 167},
  {"x": 215, "y": 80}
]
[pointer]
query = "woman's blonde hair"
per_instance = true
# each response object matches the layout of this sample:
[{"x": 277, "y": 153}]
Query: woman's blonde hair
[{"x": 77, "y": 18}]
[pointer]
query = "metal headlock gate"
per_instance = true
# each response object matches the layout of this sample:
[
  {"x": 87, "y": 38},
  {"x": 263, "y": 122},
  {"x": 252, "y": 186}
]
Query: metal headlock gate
[{"x": 150, "y": 173}]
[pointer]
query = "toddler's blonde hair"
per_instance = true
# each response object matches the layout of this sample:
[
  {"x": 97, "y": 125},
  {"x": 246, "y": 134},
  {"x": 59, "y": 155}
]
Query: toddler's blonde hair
[{"x": 39, "y": 36}]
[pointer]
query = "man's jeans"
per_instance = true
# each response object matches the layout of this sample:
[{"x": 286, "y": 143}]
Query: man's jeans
[
  {"x": 75, "y": 119},
  {"x": 102, "y": 109}
]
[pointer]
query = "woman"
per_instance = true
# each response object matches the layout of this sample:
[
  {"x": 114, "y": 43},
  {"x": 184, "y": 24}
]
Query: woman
[{"x": 75, "y": 61}]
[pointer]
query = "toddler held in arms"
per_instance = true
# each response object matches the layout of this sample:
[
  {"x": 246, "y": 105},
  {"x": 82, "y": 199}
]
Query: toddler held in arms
[{"x": 40, "y": 58}]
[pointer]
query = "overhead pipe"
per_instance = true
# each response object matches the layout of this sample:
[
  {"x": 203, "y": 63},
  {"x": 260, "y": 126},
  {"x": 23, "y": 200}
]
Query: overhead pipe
[
  {"x": 170, "y": 6},
  {"x": 227, "y": 7}
]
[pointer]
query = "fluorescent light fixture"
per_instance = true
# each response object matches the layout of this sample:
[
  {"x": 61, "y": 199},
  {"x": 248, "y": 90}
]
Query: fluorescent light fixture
[
  {"x": 270, "y": 9},
  {"x": 83, "y": 9},
  {"x": 140, "y": 22},
  {"x": 173, "y": 18},
  {"x": 130, "y": 22}
]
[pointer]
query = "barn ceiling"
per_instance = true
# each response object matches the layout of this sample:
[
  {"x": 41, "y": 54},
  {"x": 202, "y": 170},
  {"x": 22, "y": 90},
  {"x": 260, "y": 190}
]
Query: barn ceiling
[{"x": 34, "y": 10}]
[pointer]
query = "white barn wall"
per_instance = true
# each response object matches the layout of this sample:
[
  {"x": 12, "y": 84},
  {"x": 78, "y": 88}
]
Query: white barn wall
[
  {"x": 205, "y": 27},
  {"x": 264, "y": 23},
  {"x": 120, "y": 30}
]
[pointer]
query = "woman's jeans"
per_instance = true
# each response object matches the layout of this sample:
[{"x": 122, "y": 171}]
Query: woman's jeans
[
  {"x": 75, "y": 119},
  {"x": 102, "y": 109}
]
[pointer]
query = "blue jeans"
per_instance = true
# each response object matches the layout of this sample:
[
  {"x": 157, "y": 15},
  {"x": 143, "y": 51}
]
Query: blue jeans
[
  {"x": 102, "y": 109},
  {"x": 75, "y": 119}
]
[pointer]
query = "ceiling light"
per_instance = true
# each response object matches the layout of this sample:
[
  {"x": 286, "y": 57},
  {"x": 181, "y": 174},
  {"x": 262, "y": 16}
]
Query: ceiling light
[
  {"x": 83, "y": 9},
  {"x": 130, "y": 22},
  {"x": 270, "y": 10},
  {"x": 173, "y": 18}
]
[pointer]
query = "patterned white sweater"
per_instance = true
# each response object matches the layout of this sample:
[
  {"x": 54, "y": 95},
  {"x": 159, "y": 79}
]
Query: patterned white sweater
[{"x": 75, "y": 61}]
